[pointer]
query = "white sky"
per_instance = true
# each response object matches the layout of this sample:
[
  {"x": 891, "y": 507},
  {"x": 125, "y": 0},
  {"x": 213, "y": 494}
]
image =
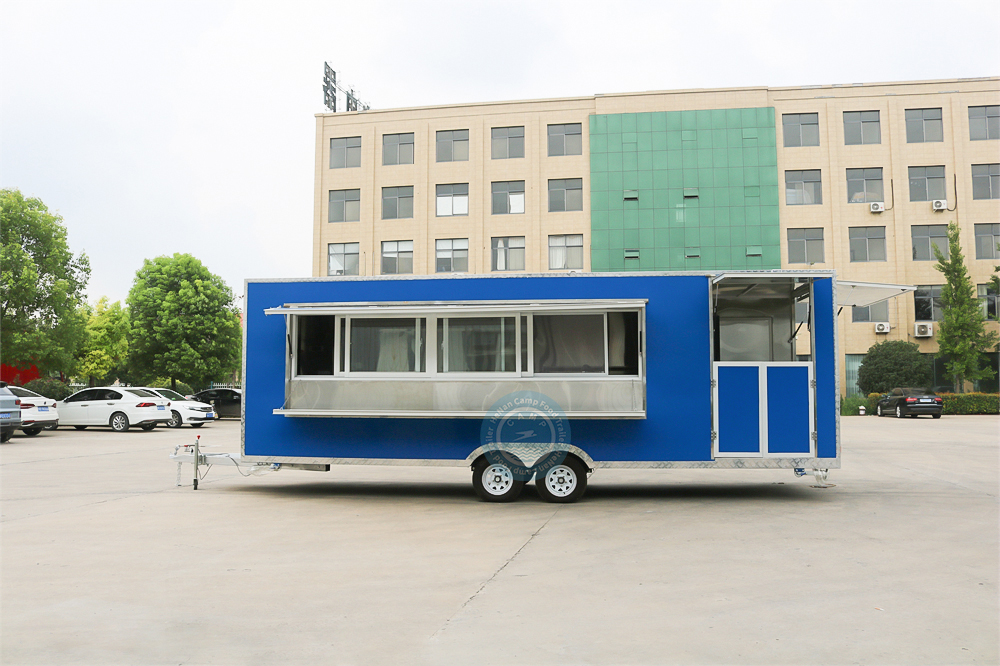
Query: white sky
[{"x": 161, "y": 127}]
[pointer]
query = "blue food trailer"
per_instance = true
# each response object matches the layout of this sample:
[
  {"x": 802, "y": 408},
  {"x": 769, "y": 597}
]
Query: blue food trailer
[{"x": 545, "y": 377}]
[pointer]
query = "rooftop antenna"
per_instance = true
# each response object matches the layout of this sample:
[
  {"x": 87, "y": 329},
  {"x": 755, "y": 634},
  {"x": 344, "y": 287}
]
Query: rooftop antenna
[{"x": 330, "y": 92}]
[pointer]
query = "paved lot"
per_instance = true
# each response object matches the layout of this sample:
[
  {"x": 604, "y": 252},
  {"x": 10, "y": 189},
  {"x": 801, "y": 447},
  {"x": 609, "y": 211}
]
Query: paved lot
[{"x": 106, "y": 561}]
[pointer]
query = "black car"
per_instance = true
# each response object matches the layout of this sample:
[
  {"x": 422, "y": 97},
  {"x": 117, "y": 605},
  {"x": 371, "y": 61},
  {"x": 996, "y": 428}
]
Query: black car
[
  {"x": 910, "y": 402},
  {"x": 226, "y": 401}
]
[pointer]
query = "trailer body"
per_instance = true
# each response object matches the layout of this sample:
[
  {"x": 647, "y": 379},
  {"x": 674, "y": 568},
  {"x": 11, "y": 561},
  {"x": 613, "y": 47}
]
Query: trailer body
[{"x": 699, "y": 369}]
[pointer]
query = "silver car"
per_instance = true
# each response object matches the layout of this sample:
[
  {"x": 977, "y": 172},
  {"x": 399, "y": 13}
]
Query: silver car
[{"x": 10, "y": 413}]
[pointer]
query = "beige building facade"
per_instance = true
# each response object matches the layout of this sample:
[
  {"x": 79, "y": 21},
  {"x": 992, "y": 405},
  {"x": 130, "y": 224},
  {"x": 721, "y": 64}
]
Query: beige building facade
[{"x": 762, "y": 177}]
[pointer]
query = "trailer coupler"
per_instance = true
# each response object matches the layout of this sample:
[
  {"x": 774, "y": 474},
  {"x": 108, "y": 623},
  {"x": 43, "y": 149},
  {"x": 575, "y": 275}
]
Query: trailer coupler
[{"x": 191, "y": 453}]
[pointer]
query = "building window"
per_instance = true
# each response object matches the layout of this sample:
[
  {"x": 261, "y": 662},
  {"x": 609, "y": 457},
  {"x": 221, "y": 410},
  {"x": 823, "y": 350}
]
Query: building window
[
  {"x": 984, "y": 122},
  {"x": 861, "y": 128},
  {"x": 927, "y": 303},
  {"x": 453, "y": 146},
  {"x": 342, "y": 259},
  {"x": 453, "y": 199},
  {"x": 508, "y": 197},
  {"x": 565, "y": 194},
  {"x": 987, "y": 300},
  {"x": 874, "y": 312},
  {"x": 508, "y": 253},
  {"x": 397, "y": 203},
  {"x": 867, "y": 243},
  {"x": 803, "y": 188},
  {"x": 986, "y": 181},
  {"x": 924, "y": 126},
  {"x": 800, "y": 129},
  {"x": 566, "y": 252},
  {"x": 927, "y": 183},
  {"x": 345, "y": 206},
  {"x": 397, "y": 257},
  {"x": 565, "y": 139},
  {"x": 927, "y": 236},
  {"x": 452, "y": 255},
  {"x": 508, "y": 142},
  {"x": 864, "y": 185},
  {"x": 805, "y": 246},
  {"x": 397, "y": 149},
  {"x": 345, "y": 153},
  {"x": 987, "y": 241}
]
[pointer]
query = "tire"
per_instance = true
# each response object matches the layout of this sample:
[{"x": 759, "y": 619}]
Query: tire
[
  {"x": 878, "y": 410},
  {"x": 119, "y": 422},
  {"x": 197, "y": 425},
  {"x": 31, "y": 432},
  {"x": 564, "y": 483},
  {"x": 5, "y": 436},
  {"x": 494, "y": 481},
  {"x": 147, "y": 427},
  {"x": 175, "y": 420},
  {"x": 936, "y": 416},
  {"x": 899, "y": 412},
  {"x": 80, "y": 427}
]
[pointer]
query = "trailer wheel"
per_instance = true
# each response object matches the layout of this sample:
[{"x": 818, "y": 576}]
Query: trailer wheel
[
  {"x": 564, "y": 483},
  {"x": 495, "y": 482}
]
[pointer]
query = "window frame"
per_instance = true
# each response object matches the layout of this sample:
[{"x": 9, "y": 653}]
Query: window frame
[
  {"x": 450, "y": 142},
  {"x": 992, "y": 177},
  {"x": 507, "y": 138},
  {"x": 933, "y": 295},
  {"x": 993, "y": 235},
  {"x": 797, "y": 122},
  {"x": 344, "y": 254},
  {"x": 504, "y": 189},
  {"x": 565, "y": 192},
  {"x": 393, "y": 143},
  {"x": 451, "y": 194},
  {"x": 806, "y": 243},
  {"x": 566, "y": 240},
  {"x": 920, "y": 177},
  {"x": 556, "y": 134},
  {"x": 990, "y": 129},
  {"x": 350, "y": 196},
  {"x": 507, "y": 251},
  {"x": 988, "y": 301},
  {"x": 914, "y": 121},
  {"x": 817, "y": 190},
  {"x": 868, "y": 317},
  {"x": 869, "y": 130},
  {"x": 929, "y": 236},
  {"x": 399, "y": 195},
  {"x": 351, "y": 152},
  {"x": 865, "y": 179},
  {"x": 853, "y": 235},
  {"x": 397, "y": 256},
  {"x": 451, "y": 250}
]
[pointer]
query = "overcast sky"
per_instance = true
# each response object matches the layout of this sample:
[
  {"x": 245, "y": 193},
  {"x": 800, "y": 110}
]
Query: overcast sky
[{"x": 161, "y": 127}]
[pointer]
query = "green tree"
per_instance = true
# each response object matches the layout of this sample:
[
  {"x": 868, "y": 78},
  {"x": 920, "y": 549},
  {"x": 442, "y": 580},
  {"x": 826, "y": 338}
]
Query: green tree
[
  {"x": 893, "y": 363},
  {"x": 41, "y": 287},
  {"x": 106, "y": 348},
  {"x": 962, "y": 335},
  {"x": 184, "y": 324}
]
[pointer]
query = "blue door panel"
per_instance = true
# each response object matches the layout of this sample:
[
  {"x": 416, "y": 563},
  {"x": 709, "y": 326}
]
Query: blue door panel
[
  {"x": 788, "y": 427},
  {"x": 739, "y": 409}
]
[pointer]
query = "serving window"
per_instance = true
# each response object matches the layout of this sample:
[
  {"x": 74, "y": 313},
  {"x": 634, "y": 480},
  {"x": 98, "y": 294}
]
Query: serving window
[{"x": 606, "y": 343}]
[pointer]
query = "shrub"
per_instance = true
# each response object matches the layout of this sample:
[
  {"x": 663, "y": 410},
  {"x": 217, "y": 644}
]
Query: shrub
[
  {"x": 849, "y": 405},
  {"x": 893, "y": 363},
  {"x": 971, "y": 403},
  {"x": 182, "y": 388},
  {"x": 50, "y": 388}
]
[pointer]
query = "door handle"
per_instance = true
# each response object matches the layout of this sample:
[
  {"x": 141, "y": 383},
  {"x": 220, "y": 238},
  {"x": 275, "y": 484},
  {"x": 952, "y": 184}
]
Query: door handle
[{"x": 111, "y": 403}]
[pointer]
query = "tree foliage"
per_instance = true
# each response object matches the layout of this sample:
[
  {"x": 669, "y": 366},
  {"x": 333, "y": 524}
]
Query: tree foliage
[
  {"x": 184, "y": 324},
  {"x": 962, "y": 335},
  {"x": 106, "y": 347},
  {"x": 41, "y": 286},
  {"x": 893, "y": 363}
]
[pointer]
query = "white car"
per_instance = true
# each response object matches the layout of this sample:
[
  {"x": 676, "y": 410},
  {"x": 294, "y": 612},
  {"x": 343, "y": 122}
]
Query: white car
[
  {"x": 37, "y": 412},
  {"x": 183, "y": 410},
  {"x": 117, "y": 406}
]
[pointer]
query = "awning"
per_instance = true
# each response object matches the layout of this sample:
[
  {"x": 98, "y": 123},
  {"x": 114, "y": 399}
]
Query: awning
[
  {"x": 867, "y": 293},
  {"x": 459, "y": 308}
]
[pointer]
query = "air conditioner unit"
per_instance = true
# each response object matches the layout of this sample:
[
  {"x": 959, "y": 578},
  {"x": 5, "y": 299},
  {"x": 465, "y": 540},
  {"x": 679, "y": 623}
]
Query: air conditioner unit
[
  {"x": 882, "y": 327},
  {"x": 939, "y": 204},
  {"x": 877, "y": 207},
  {"x": 923, "y": 330}
]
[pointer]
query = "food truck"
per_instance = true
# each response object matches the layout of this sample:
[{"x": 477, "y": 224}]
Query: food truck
[{"x": 547, "y": 377}]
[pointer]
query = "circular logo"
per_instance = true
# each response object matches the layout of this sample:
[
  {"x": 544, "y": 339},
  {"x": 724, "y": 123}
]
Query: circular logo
[{"x": 527, "y": 432}]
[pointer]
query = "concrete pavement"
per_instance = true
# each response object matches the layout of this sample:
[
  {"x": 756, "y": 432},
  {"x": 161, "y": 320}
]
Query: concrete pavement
[{"x": 105, "y": 561}]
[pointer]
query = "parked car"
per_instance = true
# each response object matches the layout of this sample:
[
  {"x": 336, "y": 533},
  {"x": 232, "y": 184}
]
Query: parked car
[
  {"x": 116, "y": 406},
  {"x": 227, "y": 402},
  {"x": 910, "y": 402},
  {"x": 183, "y": 410},
  {"x": 37, "y": 412},
  {"x": 10, "y": 413}
]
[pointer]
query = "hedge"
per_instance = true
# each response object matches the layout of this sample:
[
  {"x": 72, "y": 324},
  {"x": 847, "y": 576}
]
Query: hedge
[{"x": 50, "y": 388}]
